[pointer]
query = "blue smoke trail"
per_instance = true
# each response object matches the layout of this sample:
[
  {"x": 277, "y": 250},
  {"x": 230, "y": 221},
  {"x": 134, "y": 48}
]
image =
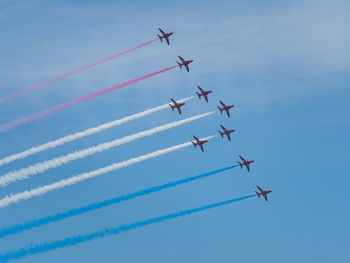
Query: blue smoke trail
[
  {"x": 77, "y": 211},
  {"x": 71, "y": 241}
]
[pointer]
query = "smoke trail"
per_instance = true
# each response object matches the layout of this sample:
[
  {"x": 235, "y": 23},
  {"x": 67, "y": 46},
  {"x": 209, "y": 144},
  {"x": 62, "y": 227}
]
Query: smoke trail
[
  {"x": 77, "y": 135},
  {"x": 58, "y": 161},
  {"x": 75, "y": 71},
  {"x": 14, "y": 198},
  {"x": 38, "y": 115},
  {"x": 72, "y": 241},
  {"x": 95, "y": 206}
]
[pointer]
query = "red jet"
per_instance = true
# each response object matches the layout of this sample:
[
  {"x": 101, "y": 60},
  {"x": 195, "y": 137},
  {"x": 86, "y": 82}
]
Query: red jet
[
  {"x": 176, "y": 105},
  {"x": 199, "y": 142},
  {"x": 164, "y": 35},
  {"x": 263, "y": 193},
  {"x": 184, "y": 63},
  {"x": 225, "y": 132},
  {"x": 245, "y": 163},
  {"x": 203, "y": 93},
  {"x": 225, "y": 108}
]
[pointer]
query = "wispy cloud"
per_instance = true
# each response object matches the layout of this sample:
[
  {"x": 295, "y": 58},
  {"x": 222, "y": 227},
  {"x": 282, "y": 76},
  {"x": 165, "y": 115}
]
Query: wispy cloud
[{"x": 257, "y": 41}]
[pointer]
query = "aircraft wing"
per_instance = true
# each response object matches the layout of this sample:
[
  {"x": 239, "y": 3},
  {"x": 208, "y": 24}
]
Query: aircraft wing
[
  {"x": 200, "y": 88},
  {"x": 195, "y": 138},
  {"x": 201, "y": 145},
  {"x": 243, "y": 160},
  {"x": 248, "y": 168},
  {"x": 187, "y": 68},
  {"x": 223, "y": 104},
  {"x": 206, "y": 98},
  {"x": 161, "y": 31},
  {"x": 265, "y": 196},
  {"x": 229, "y": 137},
  {"x": 222, "y": 127},
  {"x": 181, "y": 59},
  {"x": 167, "y": 40},
  {"x": 179, "y": 110},
  {"x": 260, "y": 188},
  {"x": 173, "y": 101},
  {"x": 228, "y": 113}
]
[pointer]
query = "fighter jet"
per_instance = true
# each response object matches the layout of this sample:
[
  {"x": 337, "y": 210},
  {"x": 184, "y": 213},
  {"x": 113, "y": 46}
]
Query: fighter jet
[
  {"x": 164, "y": 35},
  {"x": 199, "y": 142},
  {"x": 184, "y": 63},
  {"x": 245, "y": 163},
  {"x": 225, "y": 132},
  {"x": 262, "y": 192},
  {"x": 225, "y": 108},
  {"x": 203, "y": 93},
  {"x": 176, "y": 105}
]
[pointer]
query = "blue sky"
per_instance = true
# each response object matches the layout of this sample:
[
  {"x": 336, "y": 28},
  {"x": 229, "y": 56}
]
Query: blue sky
[{"x": 284, "y": 64}]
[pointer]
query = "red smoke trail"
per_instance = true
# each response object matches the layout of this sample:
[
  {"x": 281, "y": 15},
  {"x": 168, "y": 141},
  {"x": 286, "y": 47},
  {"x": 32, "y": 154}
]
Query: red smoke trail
[
  {"x": 35, "y": 116},
  {"x": 65, "y": 75}
]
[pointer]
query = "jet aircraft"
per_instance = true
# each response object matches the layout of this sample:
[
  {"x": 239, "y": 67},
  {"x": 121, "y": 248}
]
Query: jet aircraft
[
  {"x": 184, "y": 63},
  {"x": 225, "y": 108},
  {"x": 199, "y": 142},
  {"x": 245, "y": 163},
  {"x": 176, "y": 105},
  {"x": 203, "y": 93},
  {"x": 226, "y": 132},
  {"x": 263, "y": 193},
  {"x": 164, "y": 35}
]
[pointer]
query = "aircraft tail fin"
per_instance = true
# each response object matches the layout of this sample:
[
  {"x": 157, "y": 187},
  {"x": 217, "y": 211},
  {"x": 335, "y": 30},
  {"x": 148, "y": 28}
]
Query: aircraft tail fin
[
  {"x": 220, "y": 109},
  {"x": 257, "y": 194},
  {"x": 180, "y": 65},
  {"x": 195, "y": 145},
  {"x": 160, "y": 38},
  {"x": 221, "y": 133},
  {"x": 199, "y": 95},
  {"x": 240, "y": 164},
  {"x": 172, "y": 107}
]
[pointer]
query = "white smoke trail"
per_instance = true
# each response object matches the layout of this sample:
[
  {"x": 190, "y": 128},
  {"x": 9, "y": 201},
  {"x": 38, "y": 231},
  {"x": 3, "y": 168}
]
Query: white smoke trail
[
  {"x": 77, "y": 135},
  {"x": 14, "y": 198},
  {"x": 58, "y": 161}
]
